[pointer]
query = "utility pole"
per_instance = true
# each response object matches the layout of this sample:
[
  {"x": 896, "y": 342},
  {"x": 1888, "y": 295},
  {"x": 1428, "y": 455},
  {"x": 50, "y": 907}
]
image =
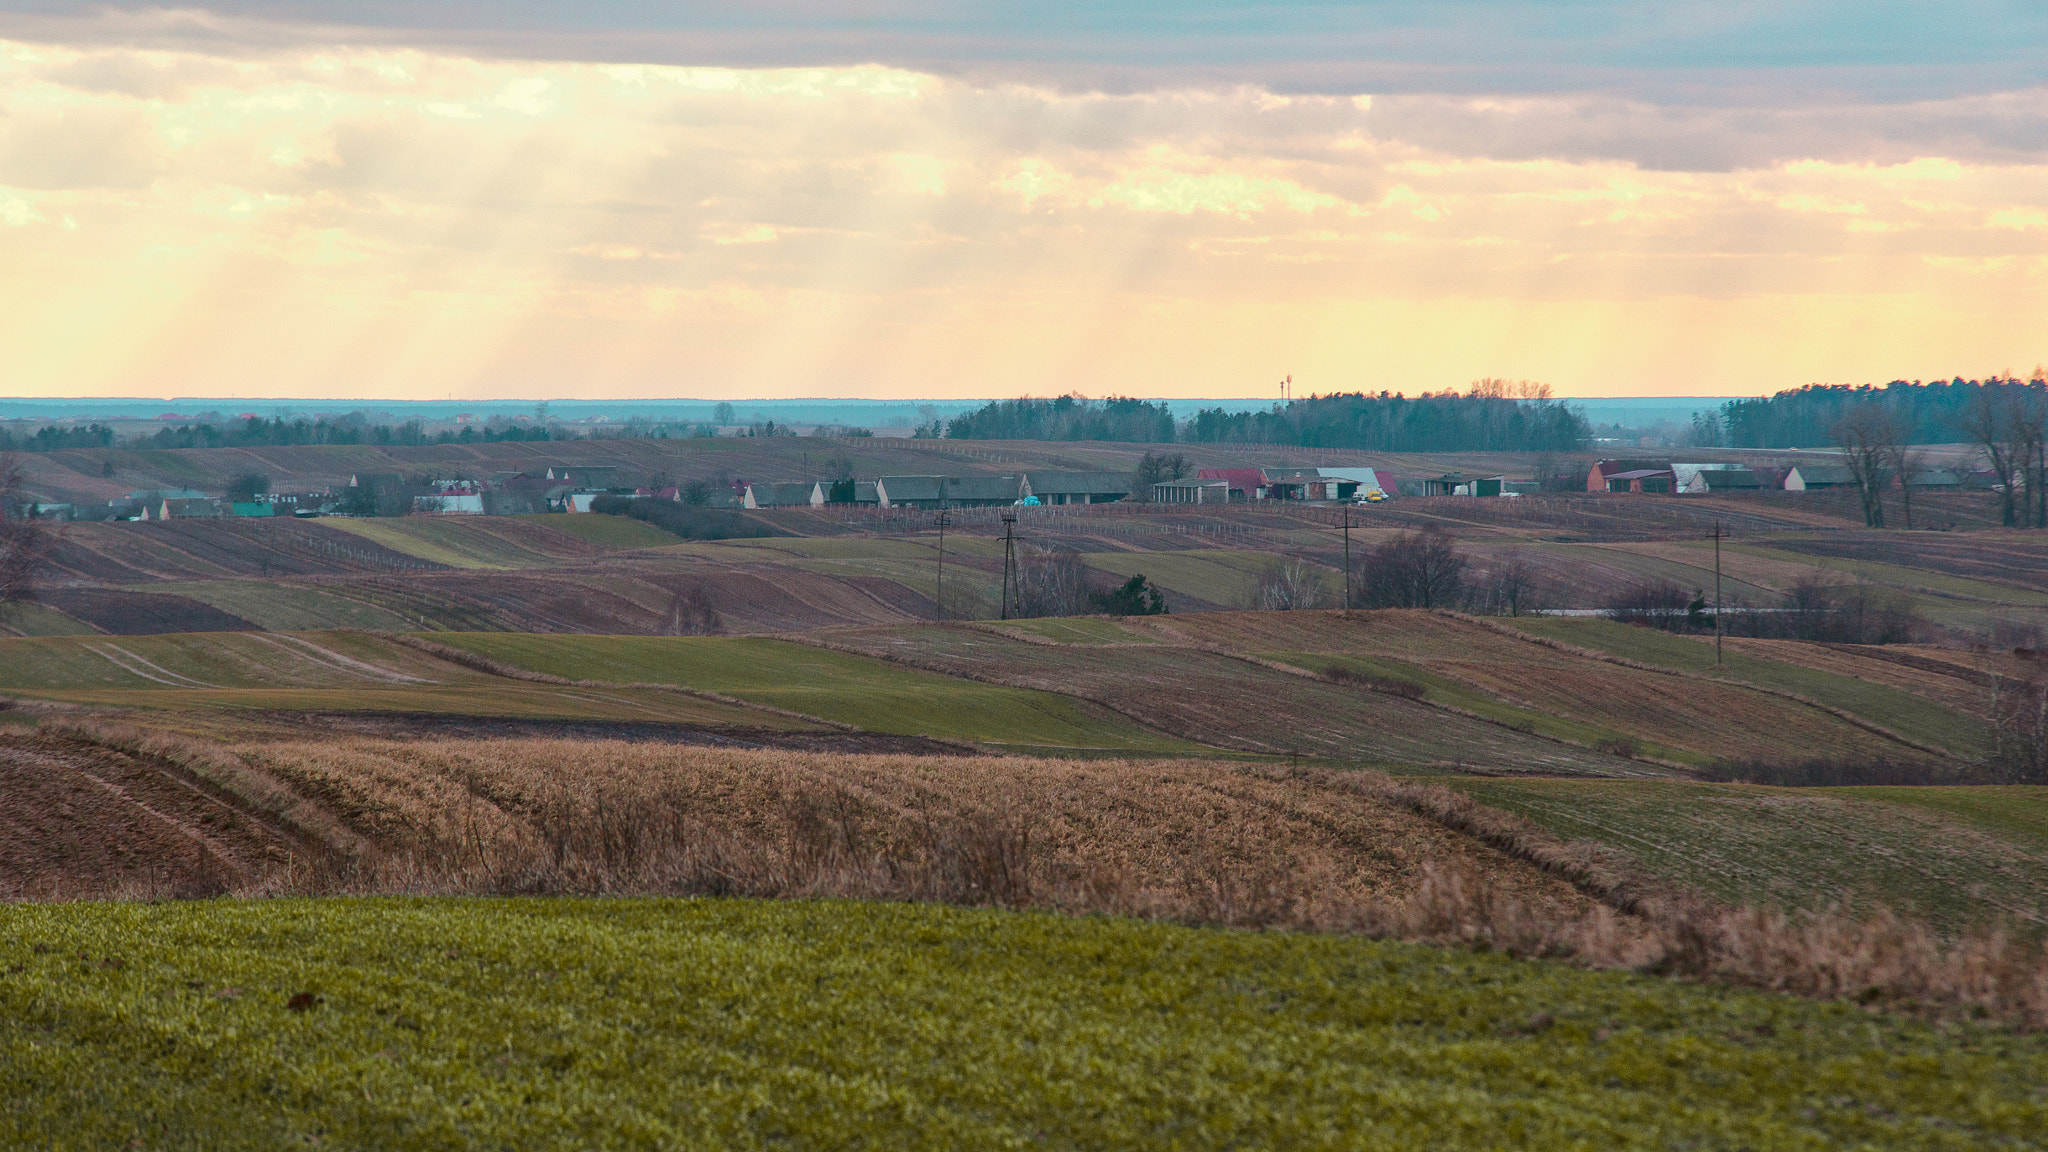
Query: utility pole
[
  {"x": 1717, "y": 592},
  {"x": 1009, "y": 560},
  {"x": 939, "y": 593},
  {"x": 1347, "y": 559}
]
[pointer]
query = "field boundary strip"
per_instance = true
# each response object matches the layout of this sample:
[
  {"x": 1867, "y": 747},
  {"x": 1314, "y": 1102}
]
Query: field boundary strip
[
  {"x": 494, "y": 667},
  {"x": 1841, "y": 714},
  {"x": 336, "y": 660},
  {"x": 189, "y": 682}
]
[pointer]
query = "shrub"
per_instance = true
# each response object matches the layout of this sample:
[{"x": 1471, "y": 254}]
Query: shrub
[
  {"x": 1135, "y": 597},
  {"x": 1051, "y": 582},
  {"x": 1406, "y": 689},
  {"x": 1289, "y": 585}
]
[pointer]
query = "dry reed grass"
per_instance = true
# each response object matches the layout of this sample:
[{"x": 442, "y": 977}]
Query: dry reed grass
[{"x": 1191, "y": 841}]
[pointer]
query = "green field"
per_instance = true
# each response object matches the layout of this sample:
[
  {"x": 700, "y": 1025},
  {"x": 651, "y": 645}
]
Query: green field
[
  {"x": 1914, "y": 717},
  {"x": 875, "y": 695},
  {"x": 571, "y": 1023},
  {"x": 1226, "y": 578},
  {"x": 1948, "y": 855},
  {"x": 1077, "y": 630}
]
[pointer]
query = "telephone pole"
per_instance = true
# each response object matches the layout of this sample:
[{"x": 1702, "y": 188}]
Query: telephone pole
[
  {"x": 1009, "y": 561},
  {"x": 939, "y": 593},
  {"x": 1717, "y": 592},
  {"x": 1347, "y": 559}
]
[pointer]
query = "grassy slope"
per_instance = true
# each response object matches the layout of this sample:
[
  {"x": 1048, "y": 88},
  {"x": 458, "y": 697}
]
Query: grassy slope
[
  {"x": 288, "y": 607},
  {"x": 31, "y": 619},
  {"x": 1798, "y": 848},
  {"x": 500, "y": 698},
  {"x": 871, "y": 694},
  {"x": 710, "y": 1024},
  {"x": 2014, "y": 812},
  {"x": 1220, "y": 577},
  {"x": 403, "y": 535},
  {"x": 1898, "y": 710}
]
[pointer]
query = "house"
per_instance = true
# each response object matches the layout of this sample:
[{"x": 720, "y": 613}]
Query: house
[
  {"x": 1727, "y": 480},
  {"x": 1076, "y": 487},
  {"x": 1459, "y": 484},
  {"x": 1938, "y": 480},
  {"x": 579, "y": 501},
  {"x": 849, "y": 491},
  {"x": 1807, "y": 477},
  {"x": 50, "y": 511},
  {"x": 157, "y": 495},
  {"x": 804, "y": 494},
  {"x": 1192, "y": 490},
  {"x": 450, "y": 503},
  {"x": 1604, "y": 471}
]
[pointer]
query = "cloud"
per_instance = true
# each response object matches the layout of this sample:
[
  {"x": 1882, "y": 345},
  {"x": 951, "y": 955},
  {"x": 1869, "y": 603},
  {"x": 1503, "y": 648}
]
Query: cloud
[{"x": 400, "y": 221}]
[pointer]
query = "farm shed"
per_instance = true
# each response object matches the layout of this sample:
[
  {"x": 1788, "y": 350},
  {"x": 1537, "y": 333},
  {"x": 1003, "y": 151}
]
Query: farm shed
[
  {"x": 593, "y": 476},
  {"x": 947, "y": 491},
  {"x": 1641, "y": 480},
  {"x": 1686, "y": 477},
  {"x": 795, "y": 494},
  {"x": 1076, "y": 487},
  {"x": 1353, "y": 481},
  {"x": 1803, "y": 477},
  {"x": 1245, "y": 483},
  {"x": 1191, "y": 491},
  {"x": 1459, "y": 484},
  {"x": 1729, "y": 480},
  {"x": 1597, "y": 478},
  {"x": 202, "y": 509}
]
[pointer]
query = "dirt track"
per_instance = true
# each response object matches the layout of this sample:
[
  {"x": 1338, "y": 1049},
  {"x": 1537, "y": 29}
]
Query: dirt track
[{"x": 78, "y": 820}]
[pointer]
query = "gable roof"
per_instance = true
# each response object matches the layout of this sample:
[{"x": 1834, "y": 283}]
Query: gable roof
[
  {"x": 1725, "y": 479},
  {"x": 1078, "y": 483}
]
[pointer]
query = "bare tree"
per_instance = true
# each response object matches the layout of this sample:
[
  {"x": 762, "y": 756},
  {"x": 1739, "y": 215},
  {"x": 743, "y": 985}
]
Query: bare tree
[
  {"x": 1991, "y": 421},
  {"x": 1868, "y": 436},
  {"x": 1906, "y": 463},
  {"x": 1413, "y": 570},
  {"x": 1051, "y": 582},
  {"x": 690, "y": 614},
  {"x": 1289, "y": 585},
  {"x": 1510, "y": 590},
  {"x": 25, "y": 540}
]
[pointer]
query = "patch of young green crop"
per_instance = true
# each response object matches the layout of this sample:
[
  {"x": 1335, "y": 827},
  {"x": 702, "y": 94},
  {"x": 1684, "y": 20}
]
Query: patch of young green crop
[
  {"x": 1914, "y": 717},
  {"x": 1078, "y": 630},
  {"x": 875, "y": 695},
  {"x": 570, "y": 1023},
  {"x": 214, "y": 660},
  {"x": 1440, "y": 689},
  {"x": 1794, "y": 848},
  {"x": 2017, "y": 812},
  {"x": 31, "y": 619},
  {"x": 400, "y": 536}
]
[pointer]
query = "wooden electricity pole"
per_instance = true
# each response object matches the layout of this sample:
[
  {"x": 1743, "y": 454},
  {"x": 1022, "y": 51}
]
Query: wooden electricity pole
[
  {"x": 1009, "y": 559},
  {"x": 1717, "y": 592},
  {"x": 1347, "y": 559},
  {"x": 939, "y": 592}
]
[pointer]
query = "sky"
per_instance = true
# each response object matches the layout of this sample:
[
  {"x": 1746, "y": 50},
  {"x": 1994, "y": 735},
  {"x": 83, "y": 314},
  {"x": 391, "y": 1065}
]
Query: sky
[{"x": 925, "y": 199}]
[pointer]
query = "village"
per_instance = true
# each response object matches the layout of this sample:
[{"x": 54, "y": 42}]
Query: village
[{"x": 573, "y": 489}]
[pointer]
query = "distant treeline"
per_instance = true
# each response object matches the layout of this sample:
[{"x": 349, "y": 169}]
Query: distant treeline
[
  {"x": 1487, "y": 419},
  {"x": 1931, "y": 413},
  {"x": 256, "y": 432}
]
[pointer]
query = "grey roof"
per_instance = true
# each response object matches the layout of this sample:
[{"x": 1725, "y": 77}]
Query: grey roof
[
  {"x": 1824, "y": 474},
  {"x": 1727, "y": 478},
  {"x": 1078, "y": 483},
  {"x": 783, "y": 494},
  {"x": 931, "y": 489},
  {"x": 902, "y": 488}
]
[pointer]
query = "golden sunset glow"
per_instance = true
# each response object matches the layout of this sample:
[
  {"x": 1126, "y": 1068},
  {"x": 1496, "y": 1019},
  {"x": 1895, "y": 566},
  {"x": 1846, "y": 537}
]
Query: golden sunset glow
[{"x": 411, "y": 224}]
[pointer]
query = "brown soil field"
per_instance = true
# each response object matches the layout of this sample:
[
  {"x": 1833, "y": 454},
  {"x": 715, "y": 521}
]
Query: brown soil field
[
  {"x": 85, "y": 820},
  {"x": 2016, "y": 559},
  {"x": 142, "y": 553},
  {"x": 124, "y": 613}
]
